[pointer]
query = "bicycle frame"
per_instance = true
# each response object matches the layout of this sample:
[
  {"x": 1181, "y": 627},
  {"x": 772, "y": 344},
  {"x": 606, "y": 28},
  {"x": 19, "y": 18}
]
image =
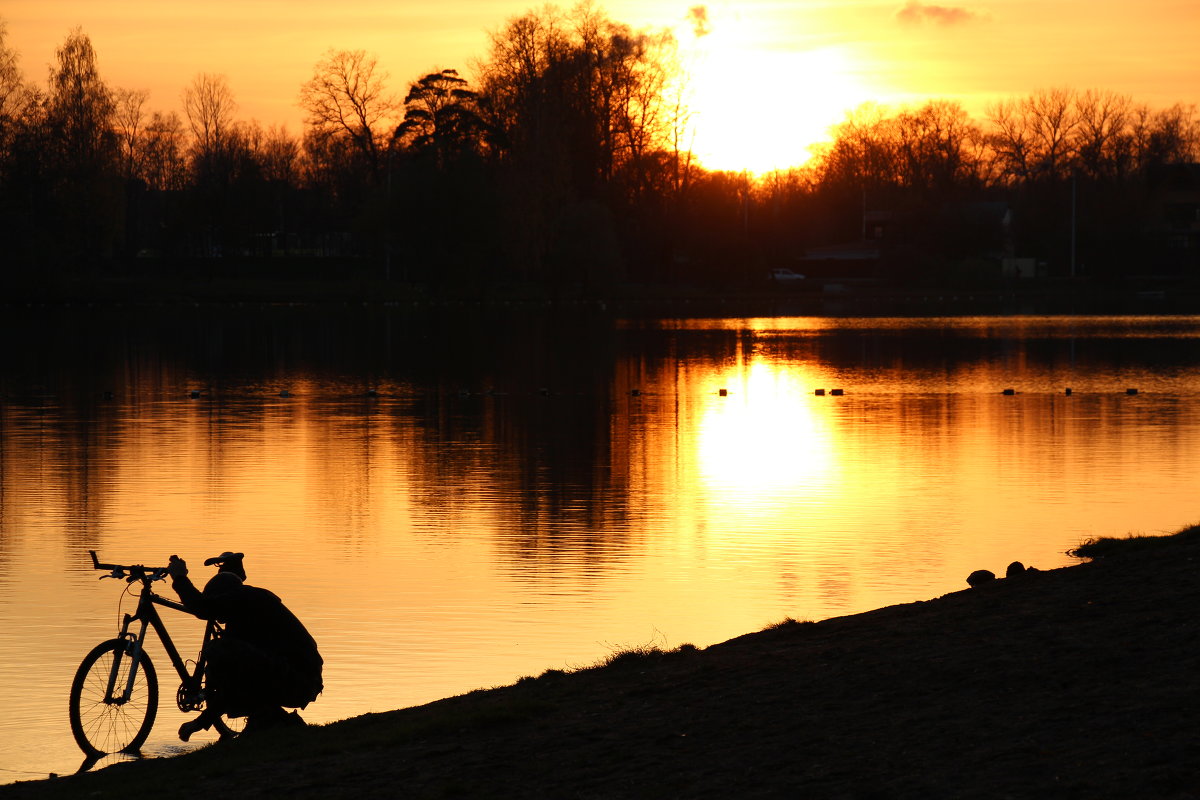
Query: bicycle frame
[
  {"x": 148, "y": 616},
  {"x": 114, "y": 695}
]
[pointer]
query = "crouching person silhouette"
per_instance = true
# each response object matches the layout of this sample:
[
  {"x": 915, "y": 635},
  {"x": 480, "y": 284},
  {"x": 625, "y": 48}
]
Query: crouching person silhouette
[{"x": 265, "y": 661}]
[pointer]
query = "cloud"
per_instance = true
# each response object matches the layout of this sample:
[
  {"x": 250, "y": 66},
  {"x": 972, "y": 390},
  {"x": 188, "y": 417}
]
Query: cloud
[
  {"x": 916, "y": 13},
  {"x": 698, "y": 16}
]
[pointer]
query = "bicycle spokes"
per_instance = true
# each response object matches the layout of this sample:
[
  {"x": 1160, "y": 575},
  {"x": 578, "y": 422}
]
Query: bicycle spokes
[{"x": 114, "y": 699}]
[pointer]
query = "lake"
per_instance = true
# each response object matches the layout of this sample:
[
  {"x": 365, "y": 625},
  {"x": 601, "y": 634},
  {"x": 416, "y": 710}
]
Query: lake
[{"x": 454, "y": 499}]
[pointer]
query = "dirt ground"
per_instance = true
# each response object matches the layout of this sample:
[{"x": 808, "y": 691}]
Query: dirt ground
[{"x": 1071, "y": 683}]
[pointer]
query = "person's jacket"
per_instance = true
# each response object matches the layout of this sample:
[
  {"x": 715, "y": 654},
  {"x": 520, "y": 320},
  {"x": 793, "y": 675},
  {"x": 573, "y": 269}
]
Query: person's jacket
[{"x": 258, "y": 617}]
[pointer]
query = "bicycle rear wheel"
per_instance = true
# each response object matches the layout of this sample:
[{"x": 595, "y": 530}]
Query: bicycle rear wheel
[
  {"x": 229, "y": 727},
  {"x": 103, "y": 726}
]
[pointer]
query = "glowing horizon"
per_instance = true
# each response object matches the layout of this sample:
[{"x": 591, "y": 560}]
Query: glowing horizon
[{"x": 770, "y": 79}]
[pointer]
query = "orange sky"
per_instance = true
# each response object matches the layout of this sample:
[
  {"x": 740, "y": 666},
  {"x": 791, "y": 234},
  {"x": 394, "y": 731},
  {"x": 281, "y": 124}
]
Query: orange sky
[{"x": 769, "y": 77}]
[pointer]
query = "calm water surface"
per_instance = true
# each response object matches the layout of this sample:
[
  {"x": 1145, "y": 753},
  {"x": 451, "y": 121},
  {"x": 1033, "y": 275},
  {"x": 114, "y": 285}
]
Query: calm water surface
[{"x": 533, "y": 491}]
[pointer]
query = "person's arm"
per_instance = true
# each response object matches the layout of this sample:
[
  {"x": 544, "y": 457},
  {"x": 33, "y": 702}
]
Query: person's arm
[{"x": 191, "y": 597}]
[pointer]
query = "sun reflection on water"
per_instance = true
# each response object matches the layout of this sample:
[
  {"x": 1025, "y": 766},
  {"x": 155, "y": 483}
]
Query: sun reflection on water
[{"x": 766, "y": 440}]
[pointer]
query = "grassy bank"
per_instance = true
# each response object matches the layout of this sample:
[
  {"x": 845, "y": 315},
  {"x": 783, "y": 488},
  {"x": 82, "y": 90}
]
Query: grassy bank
[{"x": 1073, "y": 682}]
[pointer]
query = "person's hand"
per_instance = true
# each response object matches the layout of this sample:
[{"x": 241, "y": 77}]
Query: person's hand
[{"x": 177, "y": 567}]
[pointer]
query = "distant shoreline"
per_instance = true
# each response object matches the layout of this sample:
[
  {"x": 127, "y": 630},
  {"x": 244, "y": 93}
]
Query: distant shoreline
[{"x": 829, "y": 297}]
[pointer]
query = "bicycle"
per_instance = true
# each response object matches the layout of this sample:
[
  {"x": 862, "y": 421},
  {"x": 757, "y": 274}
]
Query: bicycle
[{"x": 114, "y": 695}]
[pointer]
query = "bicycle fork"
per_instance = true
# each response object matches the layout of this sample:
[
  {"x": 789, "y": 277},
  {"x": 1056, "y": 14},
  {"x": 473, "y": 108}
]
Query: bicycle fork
[{"x": 131, "y": 651}]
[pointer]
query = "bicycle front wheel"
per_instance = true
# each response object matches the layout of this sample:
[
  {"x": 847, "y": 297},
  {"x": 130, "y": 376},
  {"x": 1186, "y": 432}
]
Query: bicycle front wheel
[{"x": 100, "y": 723}]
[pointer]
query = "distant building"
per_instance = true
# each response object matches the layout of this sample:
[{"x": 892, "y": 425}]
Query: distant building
[
  {"x": 850, "y": 260},
  {"x": 1172, "y": 221},
  {"x": 966, "y": 239},
  {"x": 1018, "y": 268}
]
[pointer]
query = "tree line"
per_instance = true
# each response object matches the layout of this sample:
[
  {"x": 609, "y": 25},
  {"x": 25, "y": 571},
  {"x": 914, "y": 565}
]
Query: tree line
[{"x": 565, "y": 163}]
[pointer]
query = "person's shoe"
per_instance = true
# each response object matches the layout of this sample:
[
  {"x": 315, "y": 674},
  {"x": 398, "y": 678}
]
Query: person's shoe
[
  {"x": 192, "y": 726},
  {"x": 265, "y": 719}
]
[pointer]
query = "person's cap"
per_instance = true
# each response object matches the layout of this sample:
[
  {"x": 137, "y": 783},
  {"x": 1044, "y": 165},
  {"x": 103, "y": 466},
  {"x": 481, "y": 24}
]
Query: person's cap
[{"x": 226, "y": 556}]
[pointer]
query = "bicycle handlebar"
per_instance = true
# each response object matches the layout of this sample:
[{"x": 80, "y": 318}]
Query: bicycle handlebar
[{"x": 130, "y": 572}]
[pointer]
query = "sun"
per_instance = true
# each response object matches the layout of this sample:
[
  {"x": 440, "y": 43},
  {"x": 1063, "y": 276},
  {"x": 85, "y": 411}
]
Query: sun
[{"x": 760, "y": 110}]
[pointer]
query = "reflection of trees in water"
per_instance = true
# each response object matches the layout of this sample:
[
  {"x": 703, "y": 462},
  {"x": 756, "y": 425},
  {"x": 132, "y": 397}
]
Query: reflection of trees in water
[
  {"x": 534, "y": 412},
  {"x": 54, "y": 470},
  {"x": 535, "y": 394},
  {"x": 518, "y": 403}
]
